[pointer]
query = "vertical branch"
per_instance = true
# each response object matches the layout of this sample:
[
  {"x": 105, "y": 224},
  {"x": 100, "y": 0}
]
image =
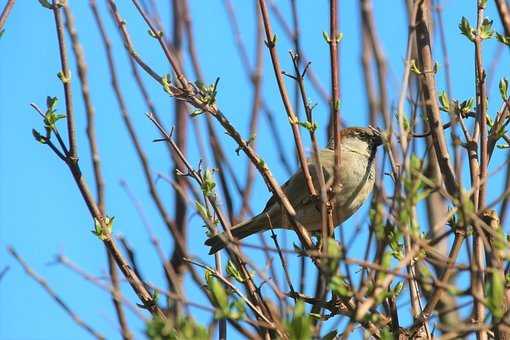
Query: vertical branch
[
  {"x": 271, "y": 43},
  {"x": 334, "y": 39},
  {"x": 429, "y": 94},
  {"x": 478, "y": 247},
  {"x": 65, "y": 77},
  {"x": 94, "y": 150},
  {"x": 180, "y": 133}
]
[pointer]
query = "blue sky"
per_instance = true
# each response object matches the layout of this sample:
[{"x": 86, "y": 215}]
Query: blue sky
[{"x": 41, "y": 211}]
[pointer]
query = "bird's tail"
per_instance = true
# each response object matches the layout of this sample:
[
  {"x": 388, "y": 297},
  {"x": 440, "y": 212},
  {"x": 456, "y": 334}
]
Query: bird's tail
[{"x": 239, "y": 231}]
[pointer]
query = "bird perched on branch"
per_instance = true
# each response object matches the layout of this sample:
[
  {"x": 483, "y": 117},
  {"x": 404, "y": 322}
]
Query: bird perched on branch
[{"x": 357, "y": 177}]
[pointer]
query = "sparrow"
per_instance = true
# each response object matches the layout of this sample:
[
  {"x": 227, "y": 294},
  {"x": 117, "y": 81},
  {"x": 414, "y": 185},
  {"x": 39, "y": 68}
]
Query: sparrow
[{"x": 358, "y": 147}]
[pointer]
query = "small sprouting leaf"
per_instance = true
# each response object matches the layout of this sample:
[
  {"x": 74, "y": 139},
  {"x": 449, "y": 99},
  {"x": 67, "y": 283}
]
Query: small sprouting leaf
[
  {"x": 466, "y": 106},
  {"x": 218, "y": 294},
  {"x": 64, "y": 78},
  {"x": 334, "y": 254},
  {"x": 340, "y": 286},
  {"x": 300, "y": 327},
  {"x": 466, "y": 29},
  {"x": 38, "y": 137},
  {"x": 503, "y": 88},
  {"x": 445, "y": 101},
  {"x": 202, "y": 211},
  {"x": 196, "y": 112},
  {"x": 51, "y": 103},
  {"x": 103, "y": 230},
  {"x": 395, "y": 291},
  {"x": 325, "y": 35},
  {"x": 46, "y": 4},
  {"x": 208, "y": 183},
  {"x": 496, "y": 294},
  {"x": 486, "y": 31},
  {"x": 155, "y": 35},
  {"x": 339, "y": 36},
  {"x": 234, "y": 272},
  {"x": 503, "y": 39},
  {"x": 413, "y": 67},
  {"x": 308, "y": 125},
  {"x": 167, "y": 83}
]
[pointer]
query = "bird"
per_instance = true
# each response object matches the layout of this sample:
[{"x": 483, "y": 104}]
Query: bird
[{"x": 358, "y": 146}]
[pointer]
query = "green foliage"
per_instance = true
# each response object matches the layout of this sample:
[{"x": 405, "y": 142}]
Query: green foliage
[
  {"x": 50, "y": 119},
  {"x": 103, "y": 232},
  {"x": 46, "y": 4},
  {"x": 186, "y": 328},
  {"x": 271, "y": 43},
  {"x": 235, "y": 273},
  {"x": 207, "y": 93},
  {"x": 310, "y": 126},
  {"x": 208, "y": 183},
  {"x": 444, "y": 101},
  {"x": 64, "y": 78},
  {"x": 155, "y": 35},
  {"x": 167, "y": 84},
  {"x": 486, "y": 31},
  {"x": 503, "y": 39},
  {"x": 340, "y": 286},
  {"x": 496, "y": 294},
  {"x": 466, "y": 29},
  {"x": 334, "y": 254},
  {"x": 300, "y": 327},
  {"x": 225, "y": 307},
  {"x": 503, "y": 89},
  {"x": 387, "y": 334}
]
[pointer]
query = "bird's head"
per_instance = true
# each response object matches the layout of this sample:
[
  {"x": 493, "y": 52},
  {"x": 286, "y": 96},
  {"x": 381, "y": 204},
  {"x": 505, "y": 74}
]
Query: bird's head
[{"x": 368, "y": 138}]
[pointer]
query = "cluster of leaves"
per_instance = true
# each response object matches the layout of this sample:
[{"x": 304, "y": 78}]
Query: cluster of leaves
[
  {"x": 103, "y": 230},
  {"x": 226, "y": 305},
  {"x": 50, "y": 119},
  {"x": 206, "y": 95},
  {"x": 185, "y": 328}
]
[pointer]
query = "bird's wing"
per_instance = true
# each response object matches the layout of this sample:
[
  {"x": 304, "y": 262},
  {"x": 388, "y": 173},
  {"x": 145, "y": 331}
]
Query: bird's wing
[{"x": 295, "y": 186}]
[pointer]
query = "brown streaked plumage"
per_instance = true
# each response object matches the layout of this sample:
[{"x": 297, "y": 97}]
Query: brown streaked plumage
[{"x": 357, "y": 176}]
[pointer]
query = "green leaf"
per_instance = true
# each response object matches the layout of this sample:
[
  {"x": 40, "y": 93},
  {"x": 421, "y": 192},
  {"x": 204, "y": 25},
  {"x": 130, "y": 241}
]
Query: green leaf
[
  {"x": 414, "y": 68},
  {"x": 503, "y": 88},
  {"x": 445, "y": 101},
  {"x": 167, "y": 84},
  {"x": 208, "y": 183},
  {"x": 38, "y": 137},
  {"x": 219, "y": 295},
  {"x": 395, "y": 291},
  {"x": 325, "y": 35},
  {"x": 234, "y": 272},
  {"x": 465, "y": 29},
  {"x": 340, "y": 286},
  {"x": 503, "y": 39},
  {"x": 300, "y": 327},
  {"x": 46, "y": 4},
  {"x": 467, "y": 105},
  {"x": 334, "y": 254},
  {"x": 496, "y": 294},
  {"x": 103, "y": 232},
  {"x": 486, "y": 31},
  {"x": 386, "y": 334}
]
